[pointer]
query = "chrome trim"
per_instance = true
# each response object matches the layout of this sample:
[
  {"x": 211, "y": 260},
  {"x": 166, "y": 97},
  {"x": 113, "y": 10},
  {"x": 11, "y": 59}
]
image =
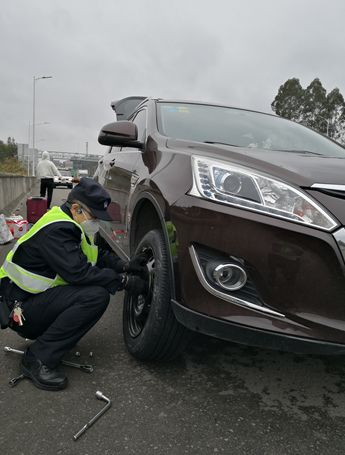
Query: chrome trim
[
  {"x": 222, "y": 295},
  {"x": 218, "y": 273},
  {"x": 340, "y": 239},
  {"x": 328, "y": 186}
]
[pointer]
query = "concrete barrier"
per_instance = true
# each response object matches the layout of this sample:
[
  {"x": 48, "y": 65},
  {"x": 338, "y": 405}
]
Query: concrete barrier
[{"x": 13, "y": 188}]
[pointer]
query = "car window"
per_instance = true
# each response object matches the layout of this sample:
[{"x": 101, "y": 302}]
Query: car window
[
  {"x": 65, "y": 173},
  {"x": 241, "y": 128},
  {"x": 140, "y": 121}
]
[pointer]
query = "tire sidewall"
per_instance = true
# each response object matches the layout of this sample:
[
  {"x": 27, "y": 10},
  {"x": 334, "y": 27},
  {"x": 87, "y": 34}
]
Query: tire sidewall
[{"x": 142, "y": 345}]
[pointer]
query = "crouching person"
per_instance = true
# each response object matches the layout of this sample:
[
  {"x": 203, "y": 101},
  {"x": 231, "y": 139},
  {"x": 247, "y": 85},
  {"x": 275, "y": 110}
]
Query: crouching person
[{"x": 57, "y": 283}]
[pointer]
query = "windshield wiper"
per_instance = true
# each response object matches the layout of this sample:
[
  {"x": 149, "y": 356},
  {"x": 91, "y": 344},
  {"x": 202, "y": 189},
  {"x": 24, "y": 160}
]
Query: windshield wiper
[
  {"x": 298, "y": 151},
  {"x": 221, "y": 143}
]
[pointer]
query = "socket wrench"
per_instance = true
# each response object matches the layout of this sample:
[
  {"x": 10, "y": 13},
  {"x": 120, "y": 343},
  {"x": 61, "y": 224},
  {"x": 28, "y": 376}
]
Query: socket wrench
[
  {"x": 99, "y": 396},
  {"x": 85, "y": 368}
]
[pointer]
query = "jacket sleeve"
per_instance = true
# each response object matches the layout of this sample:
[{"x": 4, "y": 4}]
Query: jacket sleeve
[
  {"x": 55, "y": 170},
  {"x": 60, "y": 246},
  {"x": 108, "y": 259}
]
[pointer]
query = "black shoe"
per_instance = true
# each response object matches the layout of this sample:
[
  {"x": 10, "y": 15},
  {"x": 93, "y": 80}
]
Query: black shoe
[{"x": 42, "y": 376}]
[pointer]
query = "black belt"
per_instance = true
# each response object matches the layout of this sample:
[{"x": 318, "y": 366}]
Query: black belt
[{"x": 5, "y": 309}]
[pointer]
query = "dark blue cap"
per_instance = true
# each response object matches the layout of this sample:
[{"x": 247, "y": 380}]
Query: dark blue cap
[{"x": 94, "y": 196}]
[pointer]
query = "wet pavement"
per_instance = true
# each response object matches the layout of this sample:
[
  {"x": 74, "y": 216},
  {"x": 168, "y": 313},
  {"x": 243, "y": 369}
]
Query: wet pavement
[{"x": 217, "y": 398}]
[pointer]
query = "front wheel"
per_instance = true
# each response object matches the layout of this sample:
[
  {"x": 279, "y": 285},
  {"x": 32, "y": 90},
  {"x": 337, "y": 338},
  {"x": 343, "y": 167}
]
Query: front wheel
[{"x": 150, "y": 329}]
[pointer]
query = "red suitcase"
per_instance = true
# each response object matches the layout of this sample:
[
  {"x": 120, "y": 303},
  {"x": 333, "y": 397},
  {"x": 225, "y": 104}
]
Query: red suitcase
[{"x": 35, "y": 208}]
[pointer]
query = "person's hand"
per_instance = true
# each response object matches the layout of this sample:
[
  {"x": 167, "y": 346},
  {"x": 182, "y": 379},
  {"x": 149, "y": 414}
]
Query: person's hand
[
  {"x": 135, "y": 285},
  {"x": 137, "y": 265}
]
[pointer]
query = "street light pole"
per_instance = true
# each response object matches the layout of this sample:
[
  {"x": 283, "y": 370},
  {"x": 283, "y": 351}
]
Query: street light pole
[
  {"x": 33, "y": 117},
  {"x": 29, "y": 141}
]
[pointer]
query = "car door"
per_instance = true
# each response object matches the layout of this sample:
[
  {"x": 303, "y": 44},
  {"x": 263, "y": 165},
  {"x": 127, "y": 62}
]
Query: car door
[{"x": 120, "y": 181}]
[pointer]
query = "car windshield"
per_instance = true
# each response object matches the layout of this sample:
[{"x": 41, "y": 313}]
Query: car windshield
[
  {"x": 65, "y": 173},
  {"x": 241, "y": 128}
]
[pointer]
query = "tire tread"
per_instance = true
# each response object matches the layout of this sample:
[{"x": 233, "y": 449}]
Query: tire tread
[{"x": 172, "y": 338}]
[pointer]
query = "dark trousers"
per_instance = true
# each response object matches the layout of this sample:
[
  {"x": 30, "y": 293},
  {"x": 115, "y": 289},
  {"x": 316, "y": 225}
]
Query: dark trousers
[
  {"x": 59, "y": 317},
  {"x": 47, "y": 186}
]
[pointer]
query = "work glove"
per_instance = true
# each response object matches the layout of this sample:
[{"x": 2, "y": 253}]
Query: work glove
[
  {"x": 135, "y": 285},
  {"x": 136, "y": 266}
]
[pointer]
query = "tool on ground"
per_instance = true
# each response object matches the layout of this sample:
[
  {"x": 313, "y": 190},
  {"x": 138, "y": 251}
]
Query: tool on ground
[
  {"x": 83, "y": 367},
  {"x": 14, "y": 381},
  {"x": 99, "y": 396}
]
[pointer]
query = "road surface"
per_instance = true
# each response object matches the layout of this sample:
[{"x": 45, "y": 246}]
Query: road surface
[{"x": 217, "y": 398}]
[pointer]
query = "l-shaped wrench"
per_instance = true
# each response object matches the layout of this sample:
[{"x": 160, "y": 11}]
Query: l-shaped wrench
[
  {"x": 83, "y": 367},
  {"x": 99, "y": 396}
]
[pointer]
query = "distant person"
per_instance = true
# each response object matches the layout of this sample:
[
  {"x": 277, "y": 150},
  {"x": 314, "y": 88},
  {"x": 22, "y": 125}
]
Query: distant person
[{"x": 46, "y": 170}]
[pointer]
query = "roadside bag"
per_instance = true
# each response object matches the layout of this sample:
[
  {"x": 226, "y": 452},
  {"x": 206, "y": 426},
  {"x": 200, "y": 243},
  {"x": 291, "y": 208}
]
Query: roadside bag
[
  {"x": 5, "y": 233},
  {"x": 17, "y": 225},
  {"x": 35, "y": 208}
]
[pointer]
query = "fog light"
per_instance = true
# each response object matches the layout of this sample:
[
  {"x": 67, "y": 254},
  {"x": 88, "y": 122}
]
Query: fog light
[{"x": 231, "y": 277}]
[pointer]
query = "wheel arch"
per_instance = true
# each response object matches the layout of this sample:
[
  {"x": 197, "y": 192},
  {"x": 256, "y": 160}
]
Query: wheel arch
[{"x": 149, "y": 214}]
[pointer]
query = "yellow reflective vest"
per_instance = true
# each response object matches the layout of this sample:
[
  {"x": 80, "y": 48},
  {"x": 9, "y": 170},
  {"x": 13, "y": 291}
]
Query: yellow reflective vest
[{"x": 32, "y": 282}]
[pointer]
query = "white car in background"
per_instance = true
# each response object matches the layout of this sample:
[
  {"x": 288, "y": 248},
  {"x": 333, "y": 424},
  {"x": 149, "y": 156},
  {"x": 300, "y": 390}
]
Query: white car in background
[{"x": 65, "y": 179}]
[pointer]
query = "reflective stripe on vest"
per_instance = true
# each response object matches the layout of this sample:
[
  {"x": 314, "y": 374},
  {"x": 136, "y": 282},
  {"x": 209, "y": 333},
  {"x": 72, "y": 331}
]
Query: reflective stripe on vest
[{"x": 33, "y": 282}]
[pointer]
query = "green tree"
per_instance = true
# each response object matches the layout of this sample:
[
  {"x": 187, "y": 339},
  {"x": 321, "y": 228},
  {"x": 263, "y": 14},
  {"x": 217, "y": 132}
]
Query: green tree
[
  {"x": 314, "y": 104},
  {"x": 8, "y": 158},
  {"x": 288, "y": 102},
  {"x": 8, "y": 150},
  {"x": 313, "y": 107},
  {"x": 335, "y": 116}
]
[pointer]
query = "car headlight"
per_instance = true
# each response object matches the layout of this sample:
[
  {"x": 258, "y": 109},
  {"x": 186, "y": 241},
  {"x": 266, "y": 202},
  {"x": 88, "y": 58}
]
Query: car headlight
[{"x": 248, "y": 189}]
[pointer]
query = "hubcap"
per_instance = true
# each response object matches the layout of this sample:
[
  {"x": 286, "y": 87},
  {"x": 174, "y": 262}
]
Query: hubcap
[{"x": 139, "y": 307}]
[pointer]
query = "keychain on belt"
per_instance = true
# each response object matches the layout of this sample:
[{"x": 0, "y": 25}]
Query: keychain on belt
[{"x": 17, "y": 315}]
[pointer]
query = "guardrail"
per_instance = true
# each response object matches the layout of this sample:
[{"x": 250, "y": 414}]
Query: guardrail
[{"x": 13, "y": 188}]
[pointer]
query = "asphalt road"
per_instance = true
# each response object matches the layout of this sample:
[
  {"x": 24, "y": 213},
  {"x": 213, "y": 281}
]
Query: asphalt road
[{"x": 217, "y": 398}]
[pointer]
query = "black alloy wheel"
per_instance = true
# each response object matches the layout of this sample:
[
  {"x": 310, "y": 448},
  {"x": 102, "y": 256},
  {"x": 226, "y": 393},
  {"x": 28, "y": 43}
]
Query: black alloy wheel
[
  {"x": 139, "y": 306},
  {"x": 150, "y": 329}
]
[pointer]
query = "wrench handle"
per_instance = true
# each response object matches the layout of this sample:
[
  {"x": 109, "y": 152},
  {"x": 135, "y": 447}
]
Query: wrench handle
[
  {"x": 92, "y": 421},
  {"x": 85, "y": 368},
  {"x": 15, "y": 351}
]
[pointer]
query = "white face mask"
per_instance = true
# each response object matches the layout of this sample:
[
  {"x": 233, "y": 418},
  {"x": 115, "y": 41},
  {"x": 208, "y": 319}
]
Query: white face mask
[{"x": 90, "y": 227}]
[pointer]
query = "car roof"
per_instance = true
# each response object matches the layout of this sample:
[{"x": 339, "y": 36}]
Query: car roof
[
  {"x": 125, "y": 107},
  {"x": 208, "y": 103}
]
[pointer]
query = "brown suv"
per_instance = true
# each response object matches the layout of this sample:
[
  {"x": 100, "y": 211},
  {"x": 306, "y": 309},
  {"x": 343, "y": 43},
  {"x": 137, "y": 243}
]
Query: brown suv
[{"x": 241, "y": 215}]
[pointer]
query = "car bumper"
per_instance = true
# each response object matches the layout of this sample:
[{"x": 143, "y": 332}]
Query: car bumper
[
  {"x": 297, "y": 272},
  {"x": 63, "y": 184},
  {"x": 238, "y": 333}
]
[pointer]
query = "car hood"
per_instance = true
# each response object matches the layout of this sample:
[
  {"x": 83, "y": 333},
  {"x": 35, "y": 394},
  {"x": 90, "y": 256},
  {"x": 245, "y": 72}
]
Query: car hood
[{"x": 301, "y": 169}]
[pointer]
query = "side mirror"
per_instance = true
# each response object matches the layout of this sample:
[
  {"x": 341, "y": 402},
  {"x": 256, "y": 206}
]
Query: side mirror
[{"x": 120, "y": 134}]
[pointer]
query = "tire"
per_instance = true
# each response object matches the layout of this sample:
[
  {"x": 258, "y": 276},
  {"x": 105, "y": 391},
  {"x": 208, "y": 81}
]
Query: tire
[{"x": 150, "y": 329}]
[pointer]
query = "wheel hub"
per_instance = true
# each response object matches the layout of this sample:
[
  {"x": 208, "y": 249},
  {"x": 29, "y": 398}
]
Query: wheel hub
[{"x": 139, "y": 306}]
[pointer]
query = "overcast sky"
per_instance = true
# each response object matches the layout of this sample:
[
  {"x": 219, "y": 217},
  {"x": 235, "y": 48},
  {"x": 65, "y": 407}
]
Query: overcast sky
[{"x": 236, "y": 52}]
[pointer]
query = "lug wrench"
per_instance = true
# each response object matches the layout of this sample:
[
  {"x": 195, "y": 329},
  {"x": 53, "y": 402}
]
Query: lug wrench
[
  {"x": 100, "y": 396},
  {"x": 85, "y": 368}
]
